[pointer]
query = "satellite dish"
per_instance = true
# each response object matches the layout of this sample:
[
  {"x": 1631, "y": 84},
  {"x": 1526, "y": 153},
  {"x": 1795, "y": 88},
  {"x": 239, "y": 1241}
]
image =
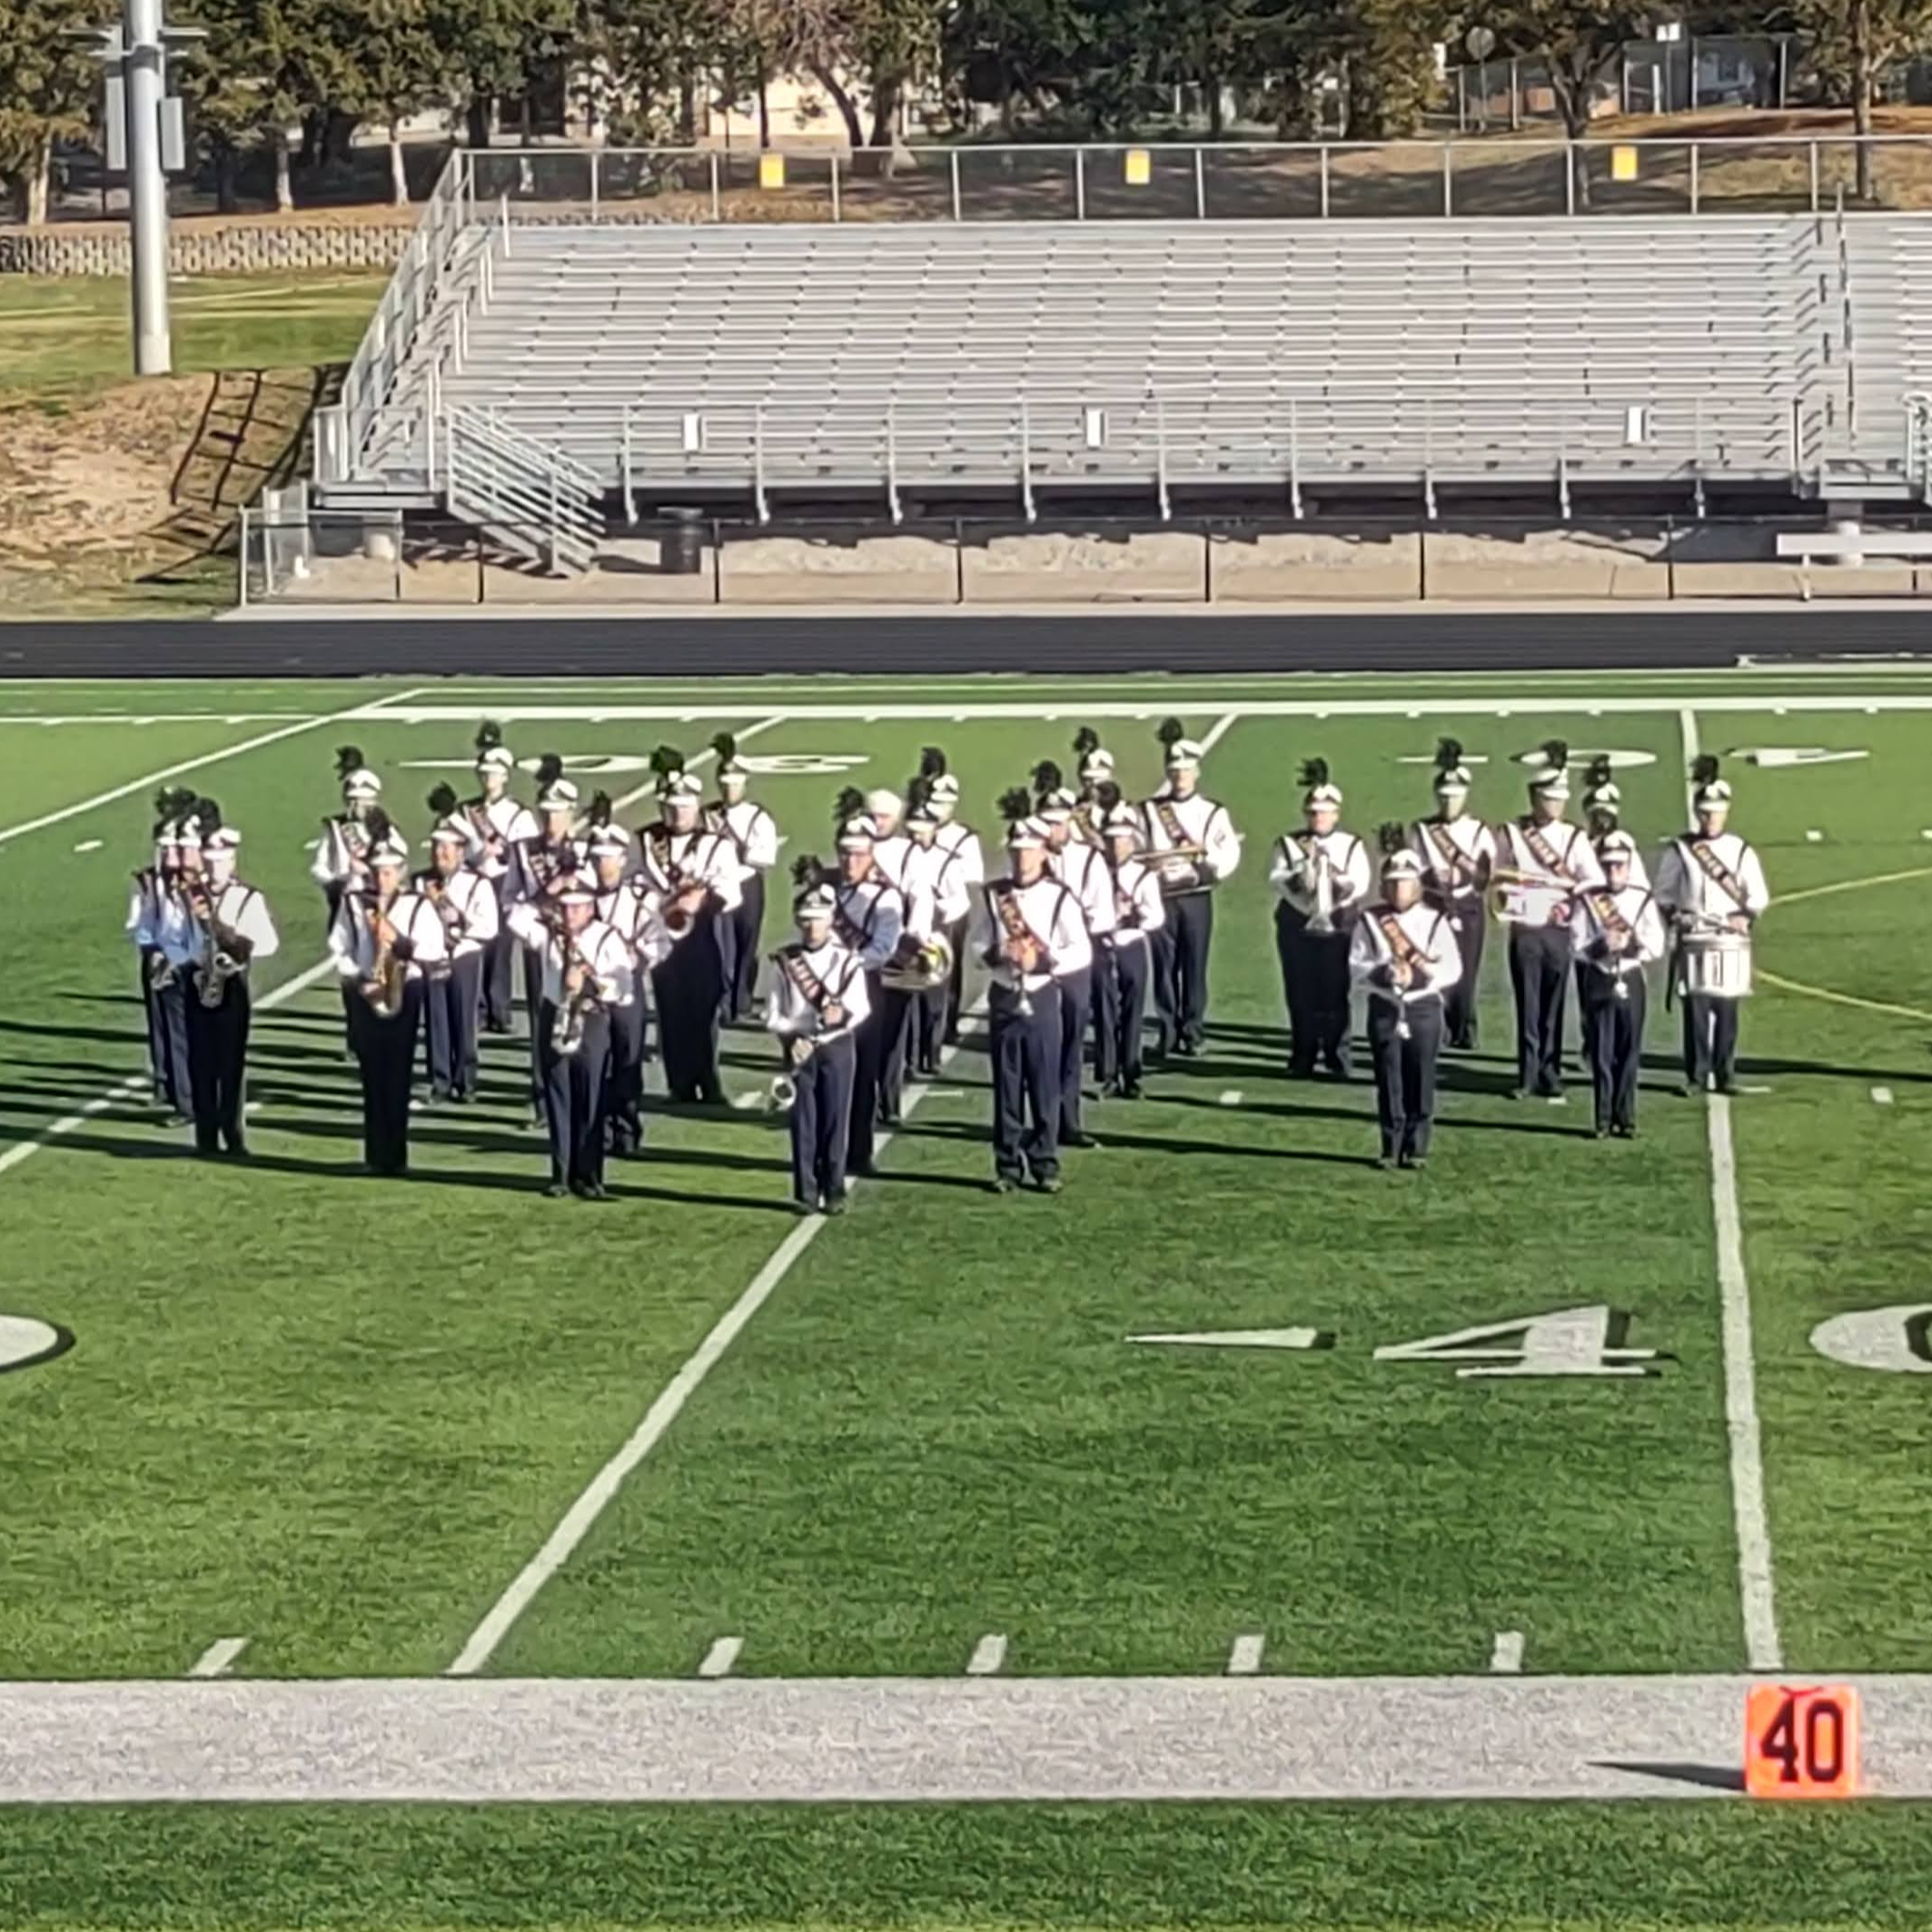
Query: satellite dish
[{"x": 1481, "y": 42}]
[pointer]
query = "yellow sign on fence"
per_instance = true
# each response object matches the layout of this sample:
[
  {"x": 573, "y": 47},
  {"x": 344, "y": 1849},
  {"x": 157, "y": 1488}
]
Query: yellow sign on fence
[
  {"x": 771, "y": 170},
  {"x": 1140, "y": 167},
  {"x": 1623, "y": 164}
]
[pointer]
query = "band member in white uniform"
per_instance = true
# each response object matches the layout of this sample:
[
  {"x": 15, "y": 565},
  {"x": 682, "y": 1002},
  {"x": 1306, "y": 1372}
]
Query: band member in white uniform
[
  {"x": 1549, "y": 859},
  {"x": 341, "y": 858},
  {"x": 1618, "y": 931},
  {"x": 1322, "y": 874},
  {"x": 180, "y": 943},
  {"x": 962, "y": 842},
  {"x": 1082, "y": 869},
  {"x": 1193, "y": 847},
  {"x": 385, "y": 939},
  {"x": 541, "y": 865},
  {"x": 1030, "y": 933},
  {"x": 466, "y": 903},
  {"x": 1405, "y": 952},
  {"x": 152, "y": 903},
  {"x": 234, "y": 931},
  {"x": 818, "y": 1002},
  {"x": 1458, "y": 853},
  {"x": 869, "y": 917},
  {"x": 501, "y": 823},
  {"x": 1096, "y": 770},
  {"x": 627, "y": 904},
  {"x": 695, "y": 873},
  {"x": 1711, "y": 887},
  {"x": 754, "y": 839},
  {"x": 937, "y": 903},
  {"x": 1121, "y": 960},
  {"x": 1604, "y": 810},
  {"x": 887, "y": 810},
  {"x": 584, "y": 975}
]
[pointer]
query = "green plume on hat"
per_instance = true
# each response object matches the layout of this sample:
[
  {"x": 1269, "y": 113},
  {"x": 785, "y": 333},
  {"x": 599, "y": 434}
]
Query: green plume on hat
[
  {"x": 442, "y": 801},
  {"x": 1556, "y": 753},
  {"x": 1392, "y": 837},
  {"x": 1014, "y": 804},
  {"x": 488, "y": 736},
  {"x": 348, "y": 758},
  {"x": 1448, "y": 753},
  {"x": 1172, "y": 731}
]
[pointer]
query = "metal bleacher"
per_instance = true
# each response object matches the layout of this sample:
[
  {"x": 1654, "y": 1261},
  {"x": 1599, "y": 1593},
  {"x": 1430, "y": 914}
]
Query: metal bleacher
[{"x": 524, "y": 363}]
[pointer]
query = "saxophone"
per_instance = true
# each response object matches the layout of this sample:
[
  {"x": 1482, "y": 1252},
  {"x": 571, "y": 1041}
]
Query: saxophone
[
  {"x": 567, "y": 1032},
  {"x": 220, "y": 962},
  {"x": 388, "y": 974}
]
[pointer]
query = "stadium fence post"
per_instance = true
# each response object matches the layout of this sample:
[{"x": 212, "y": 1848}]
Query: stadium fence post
[
  {"x": 716, "y": 214},
  {"x": 1814, "y": 177},
  {"x": 1199, "y": 186},
  {"x": 593, "y": 186},
  {"x": 1323, "y": 156},
  {"x": 240, "y": 582},
  {"x": 1080, "y": 185},
  {"x": 1694, "y": 149},
  {"x": 717, "y": 562},
  {"x": 959, "y": 595},
  {"x": 954, "y": 158},
  {"x": 1448, "y": 198},
  {"x": 835, "y": 188},
  {"x": 1570, "y": 177}
]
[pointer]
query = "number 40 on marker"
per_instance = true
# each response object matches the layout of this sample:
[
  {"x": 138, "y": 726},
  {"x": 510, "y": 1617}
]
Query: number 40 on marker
[{"x": 1801, "y": 1743}]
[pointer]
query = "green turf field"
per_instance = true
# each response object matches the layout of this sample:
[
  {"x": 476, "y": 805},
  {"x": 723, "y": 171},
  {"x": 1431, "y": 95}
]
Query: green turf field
[{"x": 337, "y": 1416}]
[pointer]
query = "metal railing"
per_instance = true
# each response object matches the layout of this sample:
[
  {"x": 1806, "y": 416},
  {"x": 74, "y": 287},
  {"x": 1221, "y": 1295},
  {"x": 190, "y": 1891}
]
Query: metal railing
[
  {"x": 510, "y": 485},
  {"x": 1918, "y": 446},
  {"x": 1499, "y": 176}
]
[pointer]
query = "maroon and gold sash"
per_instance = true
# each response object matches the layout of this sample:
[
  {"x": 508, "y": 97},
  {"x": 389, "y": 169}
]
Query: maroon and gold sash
[
  {"x": 1171, "y": 822},
  {"x": 1617, "y": 929},
  {"x": 1402, "y": 948},
  {"x": 818, "y": 996},
  {"x": 1718, "y": 872},
  {"x": 1461, "y": 868},
  {"x": 1543, "y": 852}
]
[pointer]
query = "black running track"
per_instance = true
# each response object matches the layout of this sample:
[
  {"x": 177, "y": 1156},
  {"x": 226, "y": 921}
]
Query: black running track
[{"x": 1087, "y": 640}]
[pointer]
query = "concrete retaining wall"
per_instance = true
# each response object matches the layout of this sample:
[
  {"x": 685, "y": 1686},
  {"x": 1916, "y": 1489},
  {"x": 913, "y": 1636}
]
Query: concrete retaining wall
[{"x": 244, "y": 246}]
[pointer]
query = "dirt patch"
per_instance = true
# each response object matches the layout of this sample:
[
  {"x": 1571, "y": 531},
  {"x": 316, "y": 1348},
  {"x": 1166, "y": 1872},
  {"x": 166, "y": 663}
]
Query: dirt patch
[{"x": 97, "y": 490}]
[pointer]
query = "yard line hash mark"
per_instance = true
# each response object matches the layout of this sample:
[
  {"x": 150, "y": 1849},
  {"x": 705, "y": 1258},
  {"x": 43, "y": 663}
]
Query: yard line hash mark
[
  {"x": 1506, "y": 1658},
  {"x": 215, "y": 1660},
  {"x": 719, "y": 1659},
  {"x": 1883, "y": 1095},
  {"x": 663, "y": 1412},
  {"x": 167, "y": 772},
  {"x": 1761, "y": 1646},
  {"x": 989, "y": 1654},
  {"x": 1244, "y": 1659},
  {"x": 1230, "y": 1098}
]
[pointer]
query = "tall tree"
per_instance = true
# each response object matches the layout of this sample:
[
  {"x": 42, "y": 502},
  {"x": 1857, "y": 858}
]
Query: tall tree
[
  {"x": 49, "y": 84},
  {"x": 1857, "y": 39},
  {"x": 1579, "y": 42}
]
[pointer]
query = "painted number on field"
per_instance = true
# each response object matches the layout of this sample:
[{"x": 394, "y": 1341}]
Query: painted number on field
[
  {"x": 1568, "y": 1341},
  {"x": 26, "y": 1340},
  {"x": 624, "y": 763},
  {"x": 1896, "y": 1340}
]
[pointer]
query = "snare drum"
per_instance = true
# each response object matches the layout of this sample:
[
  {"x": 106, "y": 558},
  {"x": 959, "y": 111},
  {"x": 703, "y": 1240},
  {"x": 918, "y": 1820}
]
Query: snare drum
[{"x": 1717, "y": 965}]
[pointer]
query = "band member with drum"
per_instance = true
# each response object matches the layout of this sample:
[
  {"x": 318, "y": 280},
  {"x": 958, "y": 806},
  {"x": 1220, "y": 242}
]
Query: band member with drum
[
  {"x": 466, "y": 903},
  {"x": 627, "y": 904},
  {"x": 1121, "y": 961},
  {"x": 1618, "y": 932},
  {"x": 1405, "y": 952},
  {"x": 1082, "y": 869},
  {"x": 1711, "y": 887},
  {"x": 817, "y": 1003},
  {"x": 584, "y": 975},
  {"x": 1095, "y": 769},
  {"x": 1322, "y": 877},
  {"x": 962, "y": 842},
  {"x": 1193, "y": 847},
  {"x": 233, "y": 931},
  {"x": 151, "y": 904},
  {"x": 1542, "y": 862},
  {"x": 695, "y": 873},
  {"x": 1458, "y": 853},
  {"x": 1029, "y": 932},
  {"x": 938, "y": 904},
  {"x": 754, "y": 839},
  {"x": 868, "y": 916},
  {"x": 500, "y": 824},
  {"x": 385, "y": 939}
]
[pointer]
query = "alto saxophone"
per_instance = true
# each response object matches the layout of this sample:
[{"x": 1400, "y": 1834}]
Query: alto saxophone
[
  {"x": 388, "y": 974},
  {"x": 219, "y": 962},
  {"x": 574, "y": 1010}
]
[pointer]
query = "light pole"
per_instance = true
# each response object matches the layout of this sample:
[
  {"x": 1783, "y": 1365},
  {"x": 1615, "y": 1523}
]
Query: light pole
[{"x": 144, "y": 129}]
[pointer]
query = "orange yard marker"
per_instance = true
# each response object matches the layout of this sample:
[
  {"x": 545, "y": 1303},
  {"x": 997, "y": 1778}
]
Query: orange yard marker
[{"x": 1801, "y": 1742}]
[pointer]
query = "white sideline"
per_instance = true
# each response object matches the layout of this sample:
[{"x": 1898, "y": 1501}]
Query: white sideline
[
  {"x": 197, "y": 764},
  {"x": 137, "y": 1084},
  {"x": 1761, "y": 1646},
  {"x": 603, "y": 1486}
]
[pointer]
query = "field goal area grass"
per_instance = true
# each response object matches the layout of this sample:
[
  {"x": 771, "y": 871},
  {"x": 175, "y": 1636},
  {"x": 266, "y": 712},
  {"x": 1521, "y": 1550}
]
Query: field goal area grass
[{"x": 315, "y": 1425}]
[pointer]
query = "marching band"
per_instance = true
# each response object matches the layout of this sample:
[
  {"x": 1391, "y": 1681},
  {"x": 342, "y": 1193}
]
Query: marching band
[{"x": 1095, "y": 904}]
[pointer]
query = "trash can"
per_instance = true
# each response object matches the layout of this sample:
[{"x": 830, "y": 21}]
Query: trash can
[{"x": 681, "y": 551}]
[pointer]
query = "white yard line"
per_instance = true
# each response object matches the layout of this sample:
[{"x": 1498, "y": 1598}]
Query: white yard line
[
  {"x": 1506, "y": 1658},
  {"x": 603, "y": 1487},
  {"x": 1755, "y": 1588},
  {"x": 149, "y": 718},
  {"x": 989, "y": 1656},
  {"x": 719, "y": 1659},
  {"x": 215, "y": 1660},
  {"x": 197, "y": 764},
  {"x": 138, "y": 1084},
  {"x": 1151, "y": 709},
  {"x": 1244, "y": 1659},
  {"x": 1220, "y": 731}
]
